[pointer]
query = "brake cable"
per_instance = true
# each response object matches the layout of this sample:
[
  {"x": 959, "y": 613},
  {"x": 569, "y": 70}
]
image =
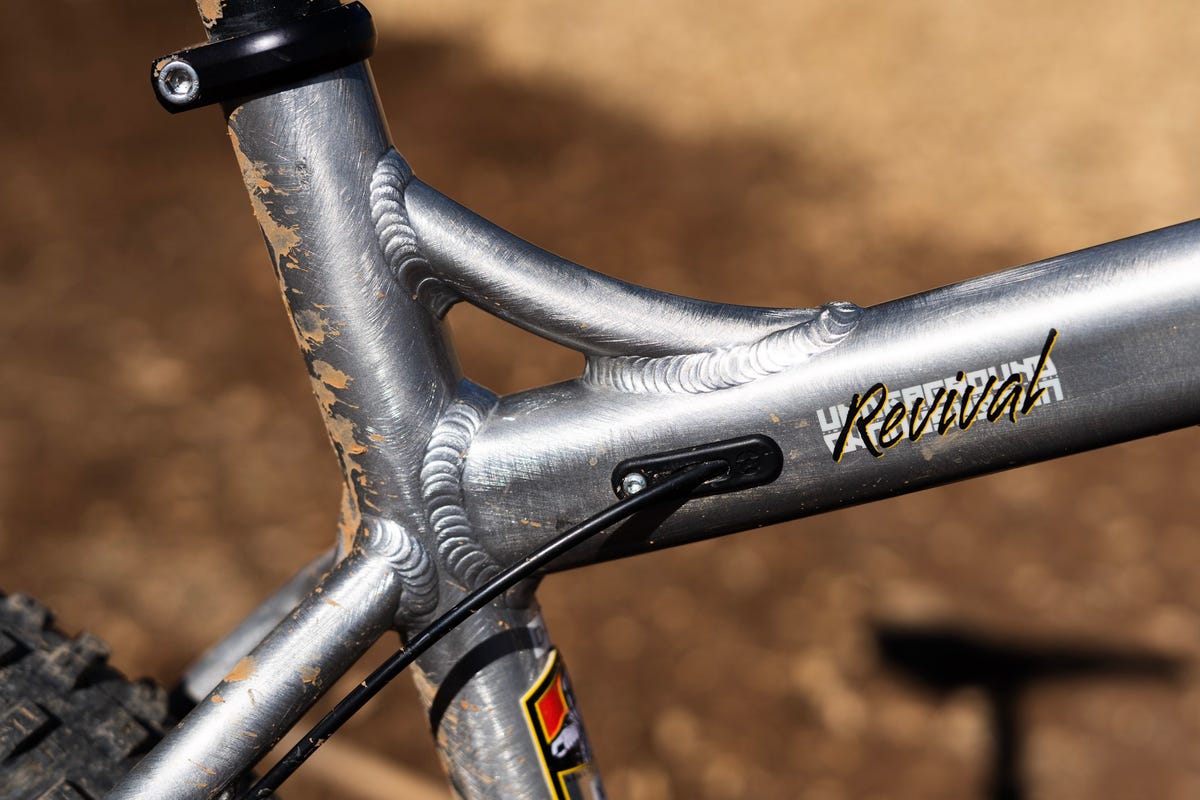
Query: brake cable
[{"x": 677, "y": 485}]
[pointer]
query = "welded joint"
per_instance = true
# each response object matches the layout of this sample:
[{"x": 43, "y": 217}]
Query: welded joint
[
  {"x": 458, "y": 548},
  {"x": 816, "y": 330},
  {"x": 402, "y": 550},
  {"x": 449, "y": 544},
  {"x": 726, "y": 367},
  {"x": 401, "y": 251}
]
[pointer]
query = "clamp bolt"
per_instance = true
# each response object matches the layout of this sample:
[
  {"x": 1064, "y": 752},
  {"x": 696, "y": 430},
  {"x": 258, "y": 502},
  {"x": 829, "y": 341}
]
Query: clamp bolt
[
  {"x": 178, "y": 82},
  {"x": 633, "y": 483}
]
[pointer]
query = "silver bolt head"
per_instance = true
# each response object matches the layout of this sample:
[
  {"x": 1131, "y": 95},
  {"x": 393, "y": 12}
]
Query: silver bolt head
[
  {"x": 633, "y": 483},
  {"x": 178, "y": 82}
]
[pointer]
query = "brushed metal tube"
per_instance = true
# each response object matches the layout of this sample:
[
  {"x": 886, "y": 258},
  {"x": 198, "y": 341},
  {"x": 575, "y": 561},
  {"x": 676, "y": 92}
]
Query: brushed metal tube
[
  {"x": 550, "y": 296},
  {"x": 380, "y": 363},
  {"x": 208, "y": 670},
  {"x": 268, "y": 690},
  {"x": 1128, "y": 320}
]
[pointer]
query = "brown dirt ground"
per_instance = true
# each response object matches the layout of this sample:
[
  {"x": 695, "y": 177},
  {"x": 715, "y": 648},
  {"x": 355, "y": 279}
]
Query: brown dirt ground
[{"x": 758, "y": 152}]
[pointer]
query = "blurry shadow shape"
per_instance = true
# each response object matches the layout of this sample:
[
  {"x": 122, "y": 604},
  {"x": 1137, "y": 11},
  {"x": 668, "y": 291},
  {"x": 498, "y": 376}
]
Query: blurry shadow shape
[{"x": 944, "y": 659}]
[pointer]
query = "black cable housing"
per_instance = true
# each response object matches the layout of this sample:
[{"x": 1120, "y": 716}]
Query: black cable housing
[{"x": 677, "y": 486}]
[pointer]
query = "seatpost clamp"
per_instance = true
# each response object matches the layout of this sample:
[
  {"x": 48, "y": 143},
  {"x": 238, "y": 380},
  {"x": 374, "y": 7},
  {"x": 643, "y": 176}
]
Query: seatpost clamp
[{"x": 267, "y": 60}]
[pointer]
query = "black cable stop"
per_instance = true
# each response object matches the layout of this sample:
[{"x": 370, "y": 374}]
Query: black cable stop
[{"x": 752, "y": 460}]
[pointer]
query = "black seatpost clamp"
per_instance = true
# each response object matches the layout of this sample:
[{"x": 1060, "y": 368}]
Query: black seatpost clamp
[{"x": 263, "y": 61}]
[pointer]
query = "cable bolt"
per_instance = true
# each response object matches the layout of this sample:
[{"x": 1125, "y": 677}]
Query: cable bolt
[{"x": 633, "y": 483}]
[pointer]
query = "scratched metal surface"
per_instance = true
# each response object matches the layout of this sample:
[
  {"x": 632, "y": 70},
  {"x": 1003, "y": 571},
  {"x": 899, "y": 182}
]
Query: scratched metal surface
[{"x": 161, "y": 459}]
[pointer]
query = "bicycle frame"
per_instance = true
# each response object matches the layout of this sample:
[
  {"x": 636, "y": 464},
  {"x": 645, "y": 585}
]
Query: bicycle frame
[{"x": 445, "y": 483}]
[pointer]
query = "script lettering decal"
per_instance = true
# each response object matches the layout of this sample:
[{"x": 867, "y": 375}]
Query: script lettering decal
[{"x": 879, "y": 418}]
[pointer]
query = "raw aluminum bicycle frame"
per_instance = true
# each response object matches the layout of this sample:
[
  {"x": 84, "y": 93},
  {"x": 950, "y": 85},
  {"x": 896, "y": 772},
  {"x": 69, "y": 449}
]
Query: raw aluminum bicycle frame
[{"x": 445, "y": 483}]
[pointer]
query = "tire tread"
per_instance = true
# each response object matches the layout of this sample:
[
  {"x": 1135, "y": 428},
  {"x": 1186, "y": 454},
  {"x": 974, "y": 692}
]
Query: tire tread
[{"x": 70, "y": 724}]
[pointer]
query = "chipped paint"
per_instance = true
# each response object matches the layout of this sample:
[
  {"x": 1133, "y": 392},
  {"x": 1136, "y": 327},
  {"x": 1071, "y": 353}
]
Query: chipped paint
[
  {"x": 211, "y": 11},
  {"x": 342, "y": 433},
  {"x": 282, "y": 239},
  {"x": 330, "y": 375},
  {"x": 312, "y": 327},
  {"x": 342, "y": 430},
  {"x": 325, "y": 396},
  {"x": 243, "y": 670},
  {"x": 216, "y": 698},
  {"x": 360, "y": 478},
  {"x": 349, "y": 521},
  {"x": 309, "y": 674}
]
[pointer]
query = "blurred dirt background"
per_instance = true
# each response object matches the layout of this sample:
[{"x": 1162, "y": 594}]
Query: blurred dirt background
[{"x": 774, "y": 153}]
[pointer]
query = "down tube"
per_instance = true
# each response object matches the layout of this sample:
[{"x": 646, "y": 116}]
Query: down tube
[{"x": 1115, "y": 330}]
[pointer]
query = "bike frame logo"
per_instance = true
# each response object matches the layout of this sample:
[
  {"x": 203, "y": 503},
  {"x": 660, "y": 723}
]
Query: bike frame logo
[
  {"x": 869, "y": 422},
  {"x": 557, "y": 730}
]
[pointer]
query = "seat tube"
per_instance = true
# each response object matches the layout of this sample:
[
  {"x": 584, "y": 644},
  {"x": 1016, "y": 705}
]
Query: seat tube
[
  {"x": 502, "y": 709},
  {"x": 311, "y": 155}
]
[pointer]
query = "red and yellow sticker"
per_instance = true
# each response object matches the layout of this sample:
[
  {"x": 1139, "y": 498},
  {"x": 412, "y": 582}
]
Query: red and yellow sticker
[{"x": 558, "y": 735}]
